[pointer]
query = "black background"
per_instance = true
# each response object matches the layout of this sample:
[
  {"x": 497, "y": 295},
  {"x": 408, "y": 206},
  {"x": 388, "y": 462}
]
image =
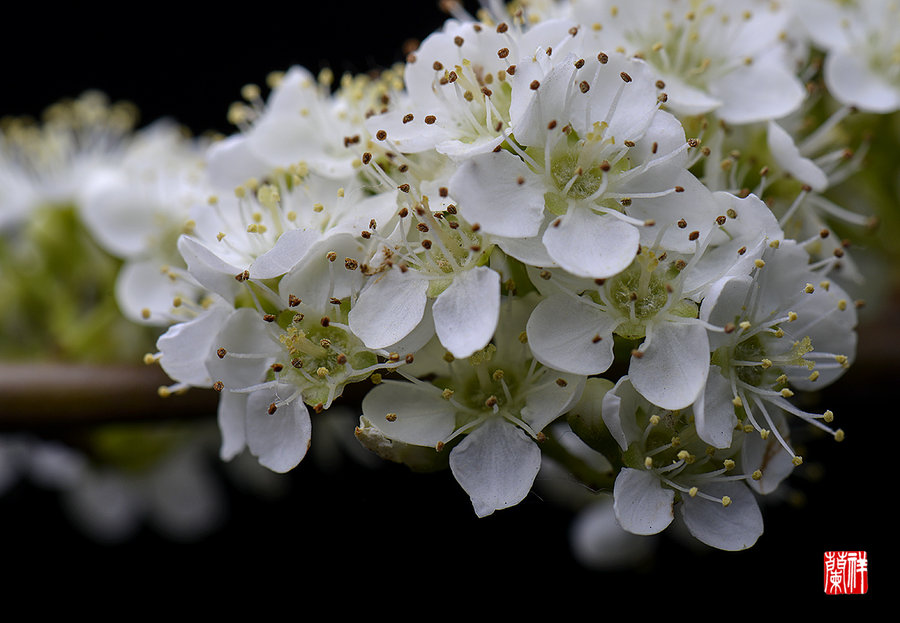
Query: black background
[{"x": 389, "y": 540}]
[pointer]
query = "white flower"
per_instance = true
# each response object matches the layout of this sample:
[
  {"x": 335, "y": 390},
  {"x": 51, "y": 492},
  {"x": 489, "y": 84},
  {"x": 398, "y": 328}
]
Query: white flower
[
  {"x": 667, "y": 464},
  {"x": 785, "y": 325},
  {"x": 500, "y": 399},
  {"x": 714, "y": 56},
  {"x": 590, "y": 143},
  {"x": 862, "y": 64}
]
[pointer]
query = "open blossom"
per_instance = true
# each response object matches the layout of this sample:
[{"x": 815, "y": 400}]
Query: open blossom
[
  {"x": 593, "y": 159},
  {"x": 862, "y": 45},
  {"x": 727, "y": 58},
  {"x": 668, "y": 464},
  {"x": 786, "y": 326},
  {"x": 498, "y": 401}
]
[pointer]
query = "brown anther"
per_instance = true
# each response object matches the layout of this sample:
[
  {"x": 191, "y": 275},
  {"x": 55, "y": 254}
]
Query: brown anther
[
  {"x": 579, "y": 63},
  {"x": 430, "y": 119},
  {"x": 422, "y": 227},
  {"x": 660, "y": 84},
  {"x": 681, "y": 224},
  {"x": 599, "y": 281},
  {"x": 426, "y": 244},
  {"x": 603, "y": 58},
  {"x": 409, "y": 358},
  {"x": 511, "y": 70},
  {"x": 381, "y": 135},
  {"x": 545, "y": 274},
  {"x": 334, "y": 300},
  {"x": 391, "y": 417},
  {"x": 573, "y": 30},
  {"x": 839, "y": 252},
  {"x": 742, "y": 250},
  {"x": 218, "y": 386},
  {"x": 605, "y": 166},
  {"x": 451, "y": 209},
  {"x": 319, "y": 407},
  {"x": 628, "y": 143},
  {"x": 535, "y": 85},
  {"x": 654, "y": 148},
  {"x": 679, "y": 189},
  {"x": 403, "y": 213},
  {"x": 298, "y": 318},
  {"x": 366, "y": 158},
  {"x": 221, "y": 353},
  {"x": 626, "y": 201},
  {"x": 721, "y": 219},
  {"x": 331, "y": 256},
  {"x": 637, "y": 354},
  {"x": 437, "y": 66},
  {"x": 491, "y": 402},
  {"x": 325, "y": 321},
  {"x": 625, "y": 77},
  {"x": 584, "y": 86},
  {"x": 269, "y": 317},
  {"x": 277, "y": 367},
  {"x": 293, "y": 300},
  {"x": 297, "y": 362},
  {"x": 693, "y": 142},
  {"x": 272, "y": 409},
  {"x": 341, "y": 359},
  {"x": 596, "y": 339},
  {"x": 824, "y": 233},
  {"x": 476, "y": 227},
  {"x": 403, "y": 188},
  {"x": 503, "y": 52},
  {"x": 394, "y": 357},
  {"x": 486, "y": 91},
  {"x": 458, "y": 41},
  {"x": 502, "y": 27}
]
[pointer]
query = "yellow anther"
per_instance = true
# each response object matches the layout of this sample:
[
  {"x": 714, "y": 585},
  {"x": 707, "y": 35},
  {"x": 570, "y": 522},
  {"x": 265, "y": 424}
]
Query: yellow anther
[
  {"x": 779, "y": 332},
  {"x": 757, "y": 475},
  {"x": 220, "y": 236},
  {"x": 766, "y": 363},
  {"x": 676, "y": 441},
  {"x": 163, "y": 392},
  {"x": 693, "y": 492},
  {"x": 748, "y": 428},
  {"x": 648, "y": 463},
  {"x": 145, "y": 313},
  {"x": 684, "y": 455},
  {"x": 828, "y": 416},
  {"x": 764, "y": 434},
  {"x": 809, "y": 289},
  {"x": 726, "y": 500},
  {"x": 813, "y": 375},
  {"x": 744, "y": 324},
  {"x": 737, "y": 402},
  {"x": 797, "y": 461},
  {"x": 841, "y": 359},
  {"x": 376, "y": 379},
  {"x": 654, "y": 420},
  {"x": 728, "y": 463},
  {"x": 786, "y": 392},
  {"x": 792, "y": 316},
  {"x": 775, "y": 244},
  {"x": 318, "y": 207},
  {"x": 839, "y": 435},
  {"x": 842, "y": 304},
  {"x": 759, "y": 263},
  {"x": 322, "y": 372},
  {"x": 150, "y": 358},
  {"x": 391, "y": 417},
  {"x": 447, "y": 394},
  {"x": 825, "y": 285},
  {"x": 497, "y": 375}
]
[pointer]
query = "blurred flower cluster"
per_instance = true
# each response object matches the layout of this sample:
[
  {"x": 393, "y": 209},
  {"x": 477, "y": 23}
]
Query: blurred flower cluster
[{"x": 612, "y": 239}]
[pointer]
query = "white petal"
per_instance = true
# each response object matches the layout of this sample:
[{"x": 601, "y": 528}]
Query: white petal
[
  {"x": 496, "y": 465},
  {"x": 788, "y": 158},
  {"x": 852, "y": 82},
  {"x": 642, "y": 505},
  {"x": 714, "y": 412},
  {"x": 209, "y": 269},
  {"x": 466, "y": 313},
  {"x": 390, "y": 307},
  {"x": 562, "y": 332},
  {"x": 280, "y": 440},
  {"x": 288, "y": 250},
  {"x": 673, "y": 369},
  {"x": 591, "y": 245},
  {"x": 733, "y": 527},
  {"x": 231, "y": 414},
  {"x": 760, "y": 91},
  {"x": 543, "y": 405},
  {"x": 186, "y": 346},
  {"x": 488, "y": 192},
  {"x": 423, "y": 417}
]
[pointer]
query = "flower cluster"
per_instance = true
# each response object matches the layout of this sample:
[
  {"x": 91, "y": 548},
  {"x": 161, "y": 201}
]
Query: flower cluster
[{"x": 542, "y": 196}]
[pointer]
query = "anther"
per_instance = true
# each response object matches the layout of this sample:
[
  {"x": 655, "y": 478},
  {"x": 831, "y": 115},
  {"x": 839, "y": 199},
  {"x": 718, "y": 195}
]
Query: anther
[
  {"x": 325, "y": 321},
  {"x": 603, "y": 58},
  {"x": 218, "y": 386},
  {"x": 430, "y": 119},
  {"x": 693, "y": 235},
  {"x": 272, "y": 409},
  {"x": 221, "y": 353},
  {"x": 681, "y": 224},
  {"x": 381, "y": 135},
  {"x": 535, "y": 85},
  {"x": 584, "y": 86},
  {"x": 391, "y": 417}
]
